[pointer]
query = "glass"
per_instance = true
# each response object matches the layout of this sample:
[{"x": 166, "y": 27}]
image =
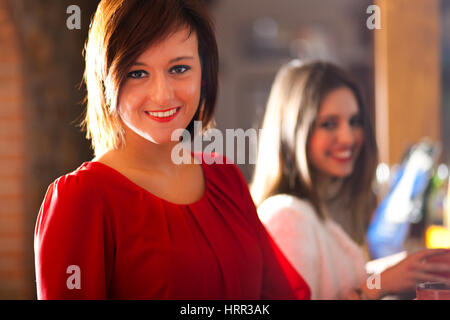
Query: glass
[{"x": 432, "y": 291}]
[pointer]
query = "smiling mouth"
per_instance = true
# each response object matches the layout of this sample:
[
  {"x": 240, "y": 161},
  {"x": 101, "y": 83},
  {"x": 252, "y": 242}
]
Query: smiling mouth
[
  {"x": 163, "y": 115},
  {"x": 343, "y": 156}
]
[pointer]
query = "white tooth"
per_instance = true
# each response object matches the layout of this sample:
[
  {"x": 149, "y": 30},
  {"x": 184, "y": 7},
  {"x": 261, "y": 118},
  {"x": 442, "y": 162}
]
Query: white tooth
[
  {"x": 344, "y": 154},
  {"x": 163, "y": 114}
]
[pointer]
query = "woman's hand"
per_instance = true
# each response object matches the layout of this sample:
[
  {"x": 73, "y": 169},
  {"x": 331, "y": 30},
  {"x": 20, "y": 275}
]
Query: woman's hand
[{"x": 404, "y": 276}]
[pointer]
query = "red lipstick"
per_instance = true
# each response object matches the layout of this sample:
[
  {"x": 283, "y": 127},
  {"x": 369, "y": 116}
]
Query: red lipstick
[{"x": 162, "y": 118}]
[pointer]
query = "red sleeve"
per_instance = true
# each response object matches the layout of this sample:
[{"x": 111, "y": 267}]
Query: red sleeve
[
  {"x": 70, "y": 238},
  {"x": 280, "y": 279}
]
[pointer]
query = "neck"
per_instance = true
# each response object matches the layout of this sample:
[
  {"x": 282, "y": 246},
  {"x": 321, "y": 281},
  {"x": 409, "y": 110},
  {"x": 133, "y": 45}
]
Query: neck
[
  {"x": 327, "y": 186},
  {"x": 141, "y": 154}
]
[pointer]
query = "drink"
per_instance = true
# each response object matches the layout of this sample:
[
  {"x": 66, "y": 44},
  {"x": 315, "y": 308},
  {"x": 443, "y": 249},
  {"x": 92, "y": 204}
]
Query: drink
[{"x": 432, "y": 291}]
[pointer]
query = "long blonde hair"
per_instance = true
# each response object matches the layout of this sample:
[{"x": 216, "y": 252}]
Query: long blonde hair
[{"x": 282, "y": 164}]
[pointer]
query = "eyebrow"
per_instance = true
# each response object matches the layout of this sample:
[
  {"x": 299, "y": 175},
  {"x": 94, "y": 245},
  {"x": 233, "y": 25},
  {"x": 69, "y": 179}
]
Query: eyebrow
[
  {"x": 335, "y": 116},
  {"x": 171, "y": 61},
  {"x": 326, "y": 118}
]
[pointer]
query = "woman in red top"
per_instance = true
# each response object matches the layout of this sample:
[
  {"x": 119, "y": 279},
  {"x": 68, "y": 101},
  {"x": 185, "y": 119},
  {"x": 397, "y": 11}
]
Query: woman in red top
[{"x": 131, "y": 224}]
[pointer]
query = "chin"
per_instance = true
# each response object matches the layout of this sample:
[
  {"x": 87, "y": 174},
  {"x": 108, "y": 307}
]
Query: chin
[{"x": 341, "y": 173}]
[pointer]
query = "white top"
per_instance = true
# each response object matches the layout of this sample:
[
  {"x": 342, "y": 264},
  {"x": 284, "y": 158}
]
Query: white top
[{"x": 331, "y": 263}]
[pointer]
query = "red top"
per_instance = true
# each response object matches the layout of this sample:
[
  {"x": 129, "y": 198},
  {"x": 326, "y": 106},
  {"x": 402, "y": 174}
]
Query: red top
[{"x": 126, "y": 243}]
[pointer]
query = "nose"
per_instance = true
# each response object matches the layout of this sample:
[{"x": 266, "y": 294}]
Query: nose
[
  {"x": 346, "y": 134},
  {"x": 161, "y": 90}
]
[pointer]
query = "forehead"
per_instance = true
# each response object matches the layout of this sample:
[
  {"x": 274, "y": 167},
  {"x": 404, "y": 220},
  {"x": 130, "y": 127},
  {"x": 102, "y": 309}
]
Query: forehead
[
  {"x": 339, "y": 102},
  {"x": 181, "y": 42}
]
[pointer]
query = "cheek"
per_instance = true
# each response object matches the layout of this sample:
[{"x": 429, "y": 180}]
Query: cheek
[
  {"x": 318, "y": 145},
  {"x": 359, "y": 138},
  {"x": 128, "y": 101},
  {"x": 189, "y": 89},
  {"x": 189, "y": 92},
  {"x": 317, "y": 150}
]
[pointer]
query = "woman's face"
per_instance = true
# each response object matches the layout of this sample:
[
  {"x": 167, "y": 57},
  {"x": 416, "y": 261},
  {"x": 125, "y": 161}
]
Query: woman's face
[
  {"x": 337, "y": 136},
  {"x": 162, "y": 89}
]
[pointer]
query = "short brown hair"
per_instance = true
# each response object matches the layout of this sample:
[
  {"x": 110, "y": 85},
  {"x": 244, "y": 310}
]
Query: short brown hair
[{"x": 120, "y": 32}]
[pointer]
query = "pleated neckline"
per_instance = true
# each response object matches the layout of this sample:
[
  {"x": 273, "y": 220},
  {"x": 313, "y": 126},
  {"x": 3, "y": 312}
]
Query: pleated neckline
[{"x": 129, "y": 182}]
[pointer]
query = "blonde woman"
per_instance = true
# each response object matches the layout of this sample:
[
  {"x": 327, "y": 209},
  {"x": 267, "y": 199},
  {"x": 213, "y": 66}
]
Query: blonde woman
[{"x": 312, "y": 181}]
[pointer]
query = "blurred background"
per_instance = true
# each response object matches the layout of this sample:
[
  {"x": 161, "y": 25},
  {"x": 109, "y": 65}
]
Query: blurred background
[{"x": 404, "y": 69}]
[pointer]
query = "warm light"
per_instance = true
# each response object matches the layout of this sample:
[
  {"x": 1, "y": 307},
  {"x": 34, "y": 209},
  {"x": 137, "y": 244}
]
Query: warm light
[
  {"x": 437, "y": 237},
  {"x": 383, "y": 173},
  {"x": 442, "y": 171}
]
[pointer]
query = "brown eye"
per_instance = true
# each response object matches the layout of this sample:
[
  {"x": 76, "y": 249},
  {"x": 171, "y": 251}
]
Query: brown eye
[
  {"x": 328, "y": 125},
  {"x": 137, "y": 74},
  {"x": 179, "y": 69}
]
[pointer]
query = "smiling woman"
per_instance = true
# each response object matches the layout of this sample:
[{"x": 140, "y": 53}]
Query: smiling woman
[
  {"x": 316, "y": 162},
  {"x": 133, "y": 224},
  {"x": 162, "y": 90},
  {"x": 112, "y": 56},
  {"x": 337, "y": 136}
]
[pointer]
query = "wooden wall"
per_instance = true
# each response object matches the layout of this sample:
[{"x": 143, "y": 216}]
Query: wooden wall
[{"x": 407, "y": 75}]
